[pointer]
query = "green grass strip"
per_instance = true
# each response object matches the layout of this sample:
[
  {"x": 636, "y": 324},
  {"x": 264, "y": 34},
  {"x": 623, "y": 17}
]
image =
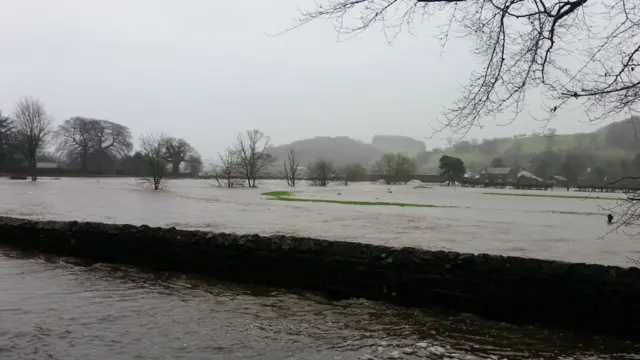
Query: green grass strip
[
  {"x": 278, "y": 193},
  {"x": 575, "y": 213},
  {"x": 287, "y": 196},
  {"x": 556, "y": 196}
]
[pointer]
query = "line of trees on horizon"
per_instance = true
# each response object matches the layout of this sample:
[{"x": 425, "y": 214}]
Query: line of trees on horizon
[
  {"x": 86, "y": 146},
  {"x": 94, "y": 146},
  {"x": 392, "y": 168}
]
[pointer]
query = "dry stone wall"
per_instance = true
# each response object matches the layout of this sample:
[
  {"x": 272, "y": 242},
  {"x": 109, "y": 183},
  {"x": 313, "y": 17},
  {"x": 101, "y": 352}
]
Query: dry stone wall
[{"x": 582, "y": 297}]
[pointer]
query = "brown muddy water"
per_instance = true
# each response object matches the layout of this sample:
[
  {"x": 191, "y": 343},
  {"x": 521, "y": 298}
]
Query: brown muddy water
[
  {"x": 53, "y": 309},
  {"x": 552, "y": 228}
]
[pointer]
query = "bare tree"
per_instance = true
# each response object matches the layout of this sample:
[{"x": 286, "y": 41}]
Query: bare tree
[
  {"x": 396, "y": 168},
  {"x": 386, "y": 167},
  {"x": 113, "y": 138},
  {"x": 320, "y": 172},
  {"x": 253, "y": 158},
  {"x": 291, "y": 166},
  {"x": 32, "y": 130},
  {"x": 225, "y": 172},
  {"x": 353, "y": 172},
  {"x": 80, "y": 137},
  {"x": 75, "y": 139},
  {"x": 524, "y": 45},
  {"x": 194, "y": 164},
  {"x": 152, "y": 149},
  {"x": 177, "y": 152},
  {"x": 6, "y": 139}
]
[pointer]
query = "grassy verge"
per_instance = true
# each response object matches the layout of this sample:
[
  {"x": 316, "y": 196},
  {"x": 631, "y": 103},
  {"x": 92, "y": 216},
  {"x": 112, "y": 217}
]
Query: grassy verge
[
  {"x": 288, "y": 196},
  {"x": 595, "y": 197}
]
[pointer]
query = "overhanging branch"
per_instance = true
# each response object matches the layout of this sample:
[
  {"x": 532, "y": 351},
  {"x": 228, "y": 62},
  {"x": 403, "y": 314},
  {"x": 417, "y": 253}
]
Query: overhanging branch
[{"x": 523, "y": 44}]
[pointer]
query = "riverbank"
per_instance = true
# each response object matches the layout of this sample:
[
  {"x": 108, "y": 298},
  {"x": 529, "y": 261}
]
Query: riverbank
[{"x": 581, "y": 297}]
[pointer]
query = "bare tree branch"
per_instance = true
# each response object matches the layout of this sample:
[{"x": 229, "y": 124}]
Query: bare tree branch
[
  {"x": 570, "y": 51},
  {"x": 78, "y": 138},
  {"x": 353, "y": 172},
  {"x": 251, "y": 150},
  {"x": 291, "y": 168},
  {"x": 320, "y": 172},
  {"x": 227, "y": 170},
  {"x": 177, "y": 151},
  {"x": 396, "y": 168},
  {"x": 152, "y": 148}
]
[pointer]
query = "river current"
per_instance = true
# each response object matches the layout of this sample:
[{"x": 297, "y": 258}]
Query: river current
[{"x": 52, "y": 308}]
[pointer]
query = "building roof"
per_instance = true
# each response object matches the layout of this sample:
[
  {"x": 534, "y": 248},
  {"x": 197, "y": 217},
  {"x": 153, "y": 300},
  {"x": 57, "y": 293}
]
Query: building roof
[{"x": 527, "y": 174}]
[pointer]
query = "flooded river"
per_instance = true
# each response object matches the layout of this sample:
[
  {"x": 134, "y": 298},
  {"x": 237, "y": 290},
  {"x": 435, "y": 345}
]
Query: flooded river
[{"x": 53, "y": 309}]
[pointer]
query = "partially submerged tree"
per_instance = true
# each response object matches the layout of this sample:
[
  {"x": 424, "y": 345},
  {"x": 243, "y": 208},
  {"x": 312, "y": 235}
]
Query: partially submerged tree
[
  {"x": 396, "y": 168},
  {"x": 453, "y": 168},
  {"x": 320, "y": 172},
  {"x": 152, "y": 150},
  {"x": 291, "y": 165},
  {"x": 225, "y": 172},
  {"x": 32, "y": 130},
  {"x": 353, "y": 172},
  {"x": 253, "y": 157},
  {"x": 523, "y": 45}
]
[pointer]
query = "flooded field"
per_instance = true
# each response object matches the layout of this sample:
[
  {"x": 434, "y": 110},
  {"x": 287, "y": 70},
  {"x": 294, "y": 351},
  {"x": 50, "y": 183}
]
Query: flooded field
[
  {"x": 55, "y": 310},
  {"x": 463, "y": 219},
  {"x": 52, "y": 309}
]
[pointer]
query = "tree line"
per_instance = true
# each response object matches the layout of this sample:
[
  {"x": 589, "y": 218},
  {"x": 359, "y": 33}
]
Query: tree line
[
  {"x": 391, "y": 168},
  {"x": 85, "y": 145},
  {"x": 96, "y": 146}
]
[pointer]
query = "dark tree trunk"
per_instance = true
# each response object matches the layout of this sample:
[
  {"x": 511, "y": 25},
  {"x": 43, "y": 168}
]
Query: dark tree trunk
[
  {"x": 34, "y": 176},
  {"x": 83, "y": 160},
  {"x": 175, "y": 168}
]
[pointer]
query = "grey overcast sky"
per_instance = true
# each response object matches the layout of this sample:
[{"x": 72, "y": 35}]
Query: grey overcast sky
[{"x": 205, "y": 70}]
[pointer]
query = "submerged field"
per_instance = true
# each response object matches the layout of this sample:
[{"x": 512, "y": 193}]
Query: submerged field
[{"x": 544, "y": 224}]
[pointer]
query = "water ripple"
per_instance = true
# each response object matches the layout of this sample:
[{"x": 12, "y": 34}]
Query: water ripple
[{"x": 51, "y": 309}]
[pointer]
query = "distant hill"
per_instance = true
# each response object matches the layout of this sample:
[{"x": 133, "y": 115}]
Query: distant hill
[
  {"x": 340, "y": 150},
  {"x": 398, "y": 144},
  {"x": 615, "y": 140}
]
